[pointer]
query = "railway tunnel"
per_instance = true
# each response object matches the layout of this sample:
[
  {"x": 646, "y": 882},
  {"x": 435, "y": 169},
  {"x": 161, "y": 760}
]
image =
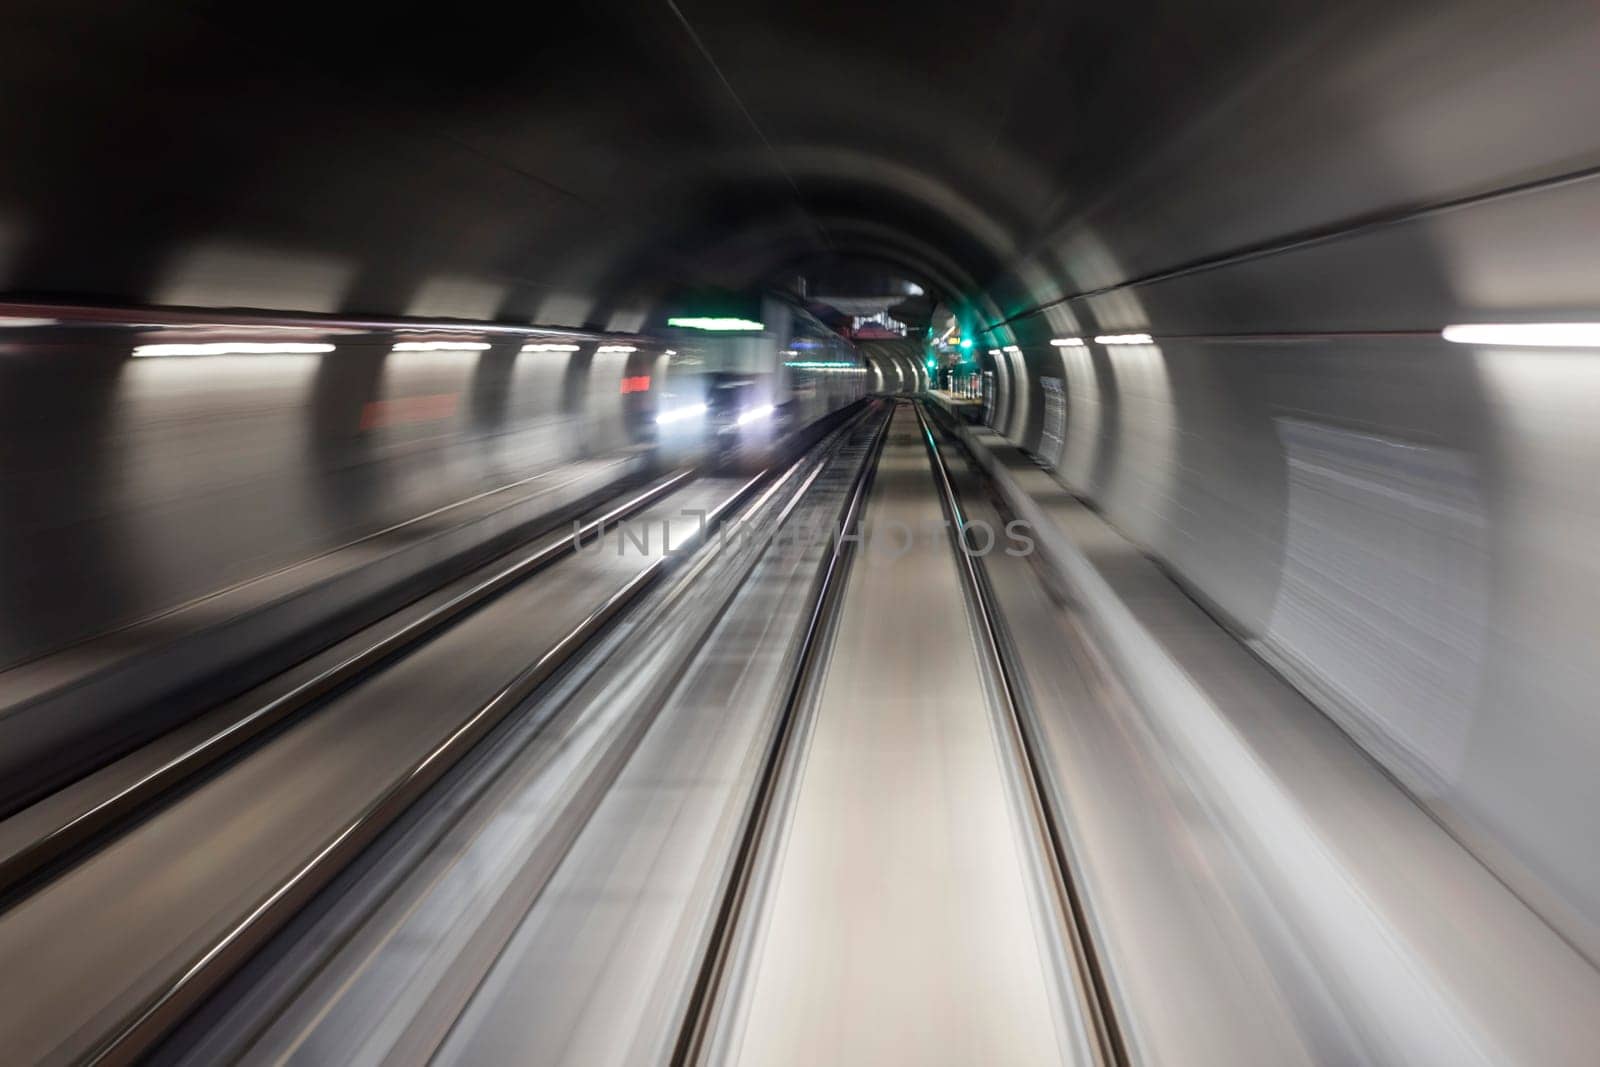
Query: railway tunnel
[{"x": 680, "y": 531}]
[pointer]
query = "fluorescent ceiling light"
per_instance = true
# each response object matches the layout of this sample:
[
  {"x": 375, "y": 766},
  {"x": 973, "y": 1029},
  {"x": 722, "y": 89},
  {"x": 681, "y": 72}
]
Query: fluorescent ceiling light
[
  {"x": 1067, "y": 342},
  {"x": 1528, "y": 335},
  {"x": 17, "y": 322},
  {"x": 615, "y": 348},
  {"x": 679, "y": 414},
  {"x": 755, "y": 414},
  {"x": 440, "y": 346},
  {"x": 547, "y": 346},
  {"x": 712, "y": 323},
  {"x": 1123, "y": 339},
  {"x": 234, "y": 348},
  {"x": 1014, "y": 350},
  {"x": 994, "y": 351}
]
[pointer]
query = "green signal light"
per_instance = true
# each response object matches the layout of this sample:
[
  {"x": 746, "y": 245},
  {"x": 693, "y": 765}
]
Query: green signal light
[
  {"x": 716, "y": 324},
  {"x": 966, "y": 342}
]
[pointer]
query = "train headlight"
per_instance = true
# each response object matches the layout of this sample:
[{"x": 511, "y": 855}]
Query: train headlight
[
  {"x": 683, "y": 414},
  {"x": 755, "y": 414}
]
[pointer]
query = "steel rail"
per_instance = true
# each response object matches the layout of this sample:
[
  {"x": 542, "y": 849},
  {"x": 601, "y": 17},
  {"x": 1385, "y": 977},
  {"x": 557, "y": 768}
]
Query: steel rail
[
  {"x": 133, "y": 1035},
  {"x": 1094, "y": 995},
  {"x": 128, "y": 801},
  {"x": 419, "y": 1042},
  {"x": 696, "y": 1027}
]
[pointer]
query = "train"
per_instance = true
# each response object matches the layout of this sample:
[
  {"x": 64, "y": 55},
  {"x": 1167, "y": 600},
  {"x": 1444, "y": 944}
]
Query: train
[{"x": 731, "y": 388}]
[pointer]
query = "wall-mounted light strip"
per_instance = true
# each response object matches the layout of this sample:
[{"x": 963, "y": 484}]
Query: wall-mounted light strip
[
  {"x": 755, "y": 414},
  {"x": 1528, "y": 335},
  {"x": 549, "y": 346},
  {"x": 440, "y": 346},
  {"x": 713, "y": 323},
  {"x": 1123, "y": 339},
  {"x": 233, "y": 348},
  {"x": 603, "y": 349},
  {"x": 1067, "y": 342},
  {"x": 819, "y": 364},
  {"x": 994, "y": 352},
  {"x": 1014, "y": 350}
]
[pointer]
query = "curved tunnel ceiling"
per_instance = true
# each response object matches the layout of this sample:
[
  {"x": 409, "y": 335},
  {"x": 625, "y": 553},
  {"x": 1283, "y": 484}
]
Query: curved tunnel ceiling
[{"x": 561, "y": 165}]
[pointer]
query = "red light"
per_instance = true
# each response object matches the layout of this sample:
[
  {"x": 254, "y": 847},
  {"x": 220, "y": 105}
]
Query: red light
[{"x": 639, "y": 384}]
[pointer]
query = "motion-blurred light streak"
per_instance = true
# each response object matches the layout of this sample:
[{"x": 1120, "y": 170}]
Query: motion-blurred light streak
[
  {"x": 1527, "y": 335},
  {"x": 441, "y": 346},
  {"x": 232, "y": 348}
]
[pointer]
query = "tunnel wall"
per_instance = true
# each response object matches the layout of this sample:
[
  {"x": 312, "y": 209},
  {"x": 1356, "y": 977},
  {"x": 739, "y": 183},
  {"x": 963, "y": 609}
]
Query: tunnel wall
[
  {"x": 898, "y": 365},
  {"x": 1292, "y": 197},
  {"x": 132, "y": 486},
  {"x": 1402, "y": 526}
]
